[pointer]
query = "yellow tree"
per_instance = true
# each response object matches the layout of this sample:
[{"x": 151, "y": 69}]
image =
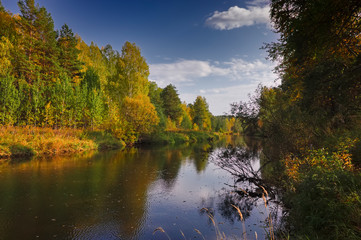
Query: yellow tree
[
  {"x": 92, "y": 57},
  {"x": 5, "y": 57},
  {"x": 139, "y": 114},
  {"x": 230, "y": 124}
]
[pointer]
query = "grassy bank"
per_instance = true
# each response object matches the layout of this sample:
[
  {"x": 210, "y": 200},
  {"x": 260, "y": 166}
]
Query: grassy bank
[{"x": 29, "y": 141}]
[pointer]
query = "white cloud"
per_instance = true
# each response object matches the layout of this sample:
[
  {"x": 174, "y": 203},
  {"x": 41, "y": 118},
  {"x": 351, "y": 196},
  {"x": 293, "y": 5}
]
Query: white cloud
[
  {"x": 183, "y": 71},
  {"x": 236, "y": 17},
  {"x": 187, "y": 72},
  {"x": 256, "y": 71},
  {"x": 258, "y": 2}
]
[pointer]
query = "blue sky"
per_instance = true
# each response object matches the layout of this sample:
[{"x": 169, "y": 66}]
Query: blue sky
[{"x": 203, "y": 47}]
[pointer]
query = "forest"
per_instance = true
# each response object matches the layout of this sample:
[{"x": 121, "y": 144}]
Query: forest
[
  {"x": 312, "y": 119},
  {"x": 51, "y": 79}
]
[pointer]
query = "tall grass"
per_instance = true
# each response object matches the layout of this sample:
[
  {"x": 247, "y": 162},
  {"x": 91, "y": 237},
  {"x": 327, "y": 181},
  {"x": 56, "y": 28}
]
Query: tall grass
[{"x": 27, "y": 141}]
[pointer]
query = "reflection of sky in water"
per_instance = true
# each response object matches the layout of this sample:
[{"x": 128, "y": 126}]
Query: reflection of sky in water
[
  {"x": 122, "y": 195},
  {"x": 179, "y": 208}
]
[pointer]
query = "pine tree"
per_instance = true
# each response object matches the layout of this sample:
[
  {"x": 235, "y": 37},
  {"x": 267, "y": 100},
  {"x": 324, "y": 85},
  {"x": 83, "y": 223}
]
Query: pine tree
[
  {"x": 2, "y": 9},
  {"x": 68, "y": 53},
  {"x": 28, "y": 63},
  {"x": 171, "y": 103},
  {"x": 39, "y": 53}
]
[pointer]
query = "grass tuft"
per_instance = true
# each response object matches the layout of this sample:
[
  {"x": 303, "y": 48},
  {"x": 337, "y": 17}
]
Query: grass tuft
[{"x": 29, "y": 141}]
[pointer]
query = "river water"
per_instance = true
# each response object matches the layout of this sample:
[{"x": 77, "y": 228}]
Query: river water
[{"x": 186, "y": 192}]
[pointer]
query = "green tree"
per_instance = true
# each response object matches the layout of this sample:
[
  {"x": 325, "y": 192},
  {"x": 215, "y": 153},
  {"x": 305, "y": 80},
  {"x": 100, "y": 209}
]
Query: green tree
[
  {"x": 95, "y": 105},
  {"x": 68, "y": 53},
  {"x": 219, "y": 123},
  {"x": 201, "y": 115},
  {"x": 132, "y": 71},
  {"x": 24, "y": 115},
  {"x": 95, "y": 101},
  {"x": 319, "y": 52},
  {"x": 155, "y": 98},
  {"x": 2, "y": 9},
  {"x": 37, "y": 102},
  {"x": 186, "y": 122},
  {"x": 91, "y": 79},
  {"x": 7, "y": 25},
  {"x": 9, "y": 101},
  {"x": 39, "y": 52},
  {"x": 171, "y": 103}
]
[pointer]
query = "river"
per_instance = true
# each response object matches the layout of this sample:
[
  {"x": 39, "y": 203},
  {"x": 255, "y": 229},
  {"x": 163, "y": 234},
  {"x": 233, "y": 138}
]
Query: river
[{"x": 158, "y": 192}]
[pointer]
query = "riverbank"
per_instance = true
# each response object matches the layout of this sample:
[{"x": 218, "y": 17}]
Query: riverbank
[
  {"x": 30, "y": 141},
  {"x": 179, "y": 137}
]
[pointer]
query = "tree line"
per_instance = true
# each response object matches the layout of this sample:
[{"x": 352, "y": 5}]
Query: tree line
[{"x": 52, "y": 78}]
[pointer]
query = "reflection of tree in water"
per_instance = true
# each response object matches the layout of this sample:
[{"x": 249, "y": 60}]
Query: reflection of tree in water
[
  {"x": 200, "y": 156},
  {"x": 250, "y": 189},
  {"x": 172, "y": 161}
]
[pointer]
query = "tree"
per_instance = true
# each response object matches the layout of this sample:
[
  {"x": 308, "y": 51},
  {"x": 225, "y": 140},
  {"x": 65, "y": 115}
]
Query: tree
[
  {"x": 319, "y": 54},
  {"x": 171, "y": 103},
  {"x": 68, "y": 53},
  {"x": 201, "y": 115},
  {"x": 7, "y": 25},
  {"x": 91, "y": 79},
  {"x": 111, "y": 56},
  {"x": 140, "y": 114},
  {"x": 132, "y": 72},
  {"x": 9, "y": 101},
  {"x": 186, "y": 122},
  {"x": 5, "y": 56},
  {"x": 155, "y": 98},
  {"x": 2, "y": 9},
  {"x": 230, "y": 124},
  {"x": 94, "y": 99},
  {"x": 38, "y": 53}
]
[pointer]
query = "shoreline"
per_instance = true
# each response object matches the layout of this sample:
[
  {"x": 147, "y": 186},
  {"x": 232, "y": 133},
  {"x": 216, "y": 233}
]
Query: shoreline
[
  {"x": 18, "y": 142},
  {"x": 29, "y": 141}
]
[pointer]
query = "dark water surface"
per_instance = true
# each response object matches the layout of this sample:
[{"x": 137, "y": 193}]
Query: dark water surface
[{"x": 128, "y": 194}]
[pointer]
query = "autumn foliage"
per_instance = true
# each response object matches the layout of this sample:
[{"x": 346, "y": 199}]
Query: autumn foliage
[{"x": 53, "y": 79}]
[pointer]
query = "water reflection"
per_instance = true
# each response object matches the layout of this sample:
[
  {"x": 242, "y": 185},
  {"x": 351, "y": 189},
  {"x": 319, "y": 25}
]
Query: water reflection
[
  {"x": 254, "y": 177},
  {"x": 126, "y": 194}
]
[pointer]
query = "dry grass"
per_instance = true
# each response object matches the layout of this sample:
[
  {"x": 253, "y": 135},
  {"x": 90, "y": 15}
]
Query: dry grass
[{"x": 26, "y": 141}]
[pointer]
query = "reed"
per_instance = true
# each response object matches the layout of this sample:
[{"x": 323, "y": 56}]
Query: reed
[{"x": 161, "y": 230}]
